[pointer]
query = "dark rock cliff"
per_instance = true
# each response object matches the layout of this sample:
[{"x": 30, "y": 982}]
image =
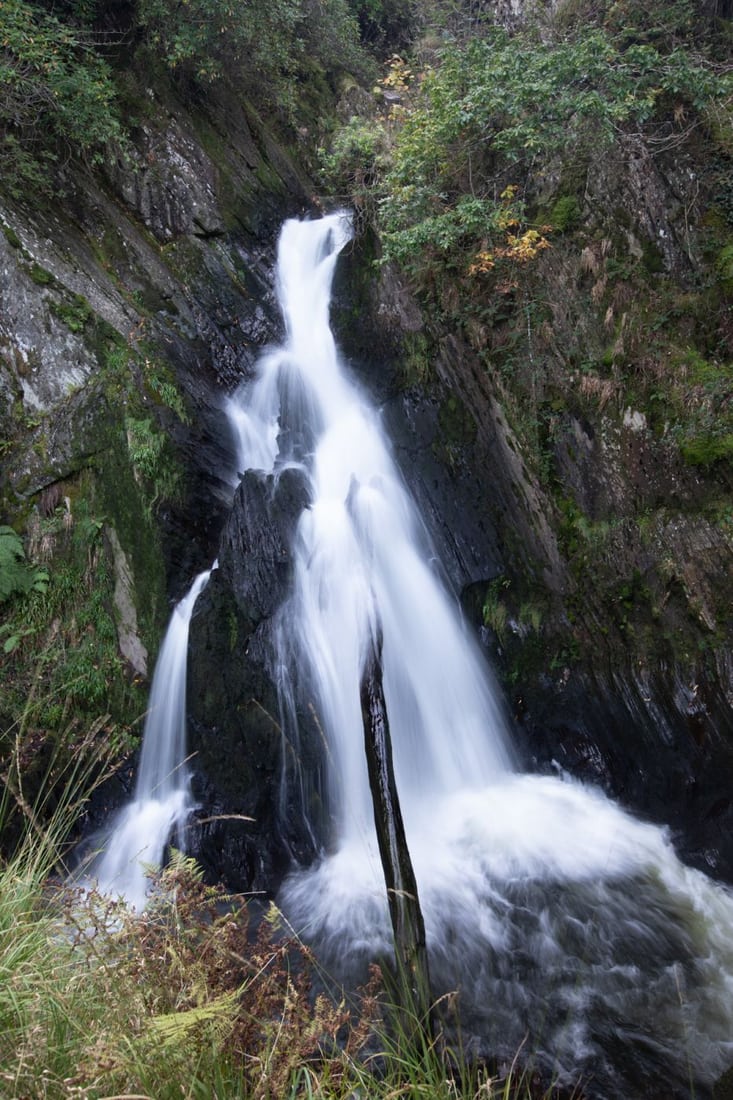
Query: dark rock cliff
[{"x": 129, "y": 306}]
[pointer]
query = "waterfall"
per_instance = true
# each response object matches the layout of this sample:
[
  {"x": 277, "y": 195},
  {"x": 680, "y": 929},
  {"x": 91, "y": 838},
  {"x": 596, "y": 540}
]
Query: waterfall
[
  {"x": 564, "y": 924},
  {"x": 360, "y": 558},
  {"x": 162, "y": 803}
]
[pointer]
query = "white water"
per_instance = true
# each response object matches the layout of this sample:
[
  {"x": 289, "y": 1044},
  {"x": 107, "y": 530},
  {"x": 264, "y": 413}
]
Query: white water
[
  {"x": 139, "y": 835},
  {"x": 563, "y": 922}
]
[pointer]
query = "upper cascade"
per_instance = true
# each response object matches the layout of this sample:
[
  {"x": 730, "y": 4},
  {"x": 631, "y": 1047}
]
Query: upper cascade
[{"x": 362, "y": 560}]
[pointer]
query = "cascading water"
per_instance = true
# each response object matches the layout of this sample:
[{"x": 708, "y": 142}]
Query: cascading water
[
  {"x": 565, "y": 924},
  {"x": 138, "y": 837}
]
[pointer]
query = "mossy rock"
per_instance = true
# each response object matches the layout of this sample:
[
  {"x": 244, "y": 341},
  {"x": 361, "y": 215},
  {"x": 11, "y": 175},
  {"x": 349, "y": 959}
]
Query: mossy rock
[
  {"x": 724, "y": 268},
  {"x": 565, "y": 213},
  {"x": 456, "y": 422}
]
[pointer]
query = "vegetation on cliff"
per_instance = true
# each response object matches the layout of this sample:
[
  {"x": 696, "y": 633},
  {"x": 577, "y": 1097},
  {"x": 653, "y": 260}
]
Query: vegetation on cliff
[
  {"x": 557, "y": 193},
  {"x": 61, "y": 66}
]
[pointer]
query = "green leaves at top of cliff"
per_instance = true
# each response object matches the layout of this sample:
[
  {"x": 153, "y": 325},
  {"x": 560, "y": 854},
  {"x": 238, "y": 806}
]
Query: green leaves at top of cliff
[
  {"x": 57, "y": 97},
  {"x": 264, "y": 47},
  {"x": 502, "y": 109}
]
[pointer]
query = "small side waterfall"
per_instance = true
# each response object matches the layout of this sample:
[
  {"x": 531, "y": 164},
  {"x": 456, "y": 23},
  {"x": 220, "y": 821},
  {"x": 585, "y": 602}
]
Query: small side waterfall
[
  {"x": 564, "y": 924},
  {"x": 162, "y": 803}
]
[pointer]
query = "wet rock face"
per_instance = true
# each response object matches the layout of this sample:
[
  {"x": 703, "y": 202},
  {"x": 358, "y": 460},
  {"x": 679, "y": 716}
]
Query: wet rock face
[
  {"x": 659, "y": 744},
  {"x": 170, "y": 183},
  {"x": 237, "y": 729},
  {"x": 42, "y": 360}
]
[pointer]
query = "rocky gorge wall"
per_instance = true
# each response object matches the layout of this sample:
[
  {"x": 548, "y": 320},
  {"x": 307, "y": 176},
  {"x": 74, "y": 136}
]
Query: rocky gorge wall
[{"x": 128, "y": 307}]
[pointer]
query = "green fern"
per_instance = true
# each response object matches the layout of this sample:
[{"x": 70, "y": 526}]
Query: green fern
[{"x": 17, "y": 576}]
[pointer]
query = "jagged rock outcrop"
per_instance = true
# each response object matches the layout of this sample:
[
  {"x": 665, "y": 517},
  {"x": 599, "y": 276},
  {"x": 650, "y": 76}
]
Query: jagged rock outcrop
[
  {"x": 240, "y": 732},
  {"x": 128, "y": 307}
]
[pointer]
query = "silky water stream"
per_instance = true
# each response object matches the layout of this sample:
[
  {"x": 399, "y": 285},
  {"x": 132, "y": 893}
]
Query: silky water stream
[
  {"x": 138, "y": 836},
  {"x": 566, "y": 926}
]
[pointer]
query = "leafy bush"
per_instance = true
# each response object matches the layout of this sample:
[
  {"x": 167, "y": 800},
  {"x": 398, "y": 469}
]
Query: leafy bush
[
  {"x": 56, "y": 95},
  {"x": 479, "y": 121},
  {"x": 207, "y": 36},
  {"x": 388, "y": 24},
  {"x": 265, "y": 47},
  {"x": 504, "y": 100}
]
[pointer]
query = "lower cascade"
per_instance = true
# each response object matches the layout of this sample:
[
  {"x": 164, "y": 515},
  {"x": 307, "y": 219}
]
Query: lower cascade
[
  {"x": 138, "y": 837},
  {"x": 566, "y": 927}
]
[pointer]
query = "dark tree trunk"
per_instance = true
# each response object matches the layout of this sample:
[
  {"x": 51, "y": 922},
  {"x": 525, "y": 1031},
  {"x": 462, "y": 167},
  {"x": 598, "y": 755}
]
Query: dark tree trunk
[{"x": 411, "y": 960}]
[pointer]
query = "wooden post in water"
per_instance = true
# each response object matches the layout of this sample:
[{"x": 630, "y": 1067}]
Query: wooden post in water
[{"x": 411, "y": 958}]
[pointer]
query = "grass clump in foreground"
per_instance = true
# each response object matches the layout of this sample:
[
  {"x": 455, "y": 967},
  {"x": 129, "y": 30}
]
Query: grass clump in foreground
[{"x": 185, "y": 1000}]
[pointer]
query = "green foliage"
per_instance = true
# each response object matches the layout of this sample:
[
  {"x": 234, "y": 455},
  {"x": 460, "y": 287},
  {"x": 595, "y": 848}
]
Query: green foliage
[
  {"x": 502, "y": 100},
  {"x": 565, "y": 213},
  {"x": 444, "y": 172},
  {"x": 207, "y": 35},
  {"x": 724, "y": 268},
  {"x": 706, "y": 450},
  {"x": 660, "y": 21},
  {"x": 161, "y": 383},
  {"x": 495, "y": 611},
  {"x": 76, "y": 313},
  {"x": 151, "y": 457},
  {"x": 266, "y": 48},
  {"x": 696, "y": 406},
  {"x": 17, "y": 576},
  {"x": 62, "y": 661},
  {"x": 388, "y": 24},
  {"x": 40, "y": 276},
  {"x": 56, "y": 95},
  {"x": 12, "y": 237},
  {"x": 355, "y": 161}
]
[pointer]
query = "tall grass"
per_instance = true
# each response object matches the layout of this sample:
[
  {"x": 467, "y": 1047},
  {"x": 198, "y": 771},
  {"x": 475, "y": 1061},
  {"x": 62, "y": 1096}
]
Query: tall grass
[{"x": 189, "y": 999}]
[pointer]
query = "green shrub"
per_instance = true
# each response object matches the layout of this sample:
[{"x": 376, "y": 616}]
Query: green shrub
[
  {"x": 388, "y": 24},
  {"x": 706, "y": 450},
  {"x": 56, "y": 95},
  {"x": 462, "y": 144},
  {"x": 265, "y": 47}
]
